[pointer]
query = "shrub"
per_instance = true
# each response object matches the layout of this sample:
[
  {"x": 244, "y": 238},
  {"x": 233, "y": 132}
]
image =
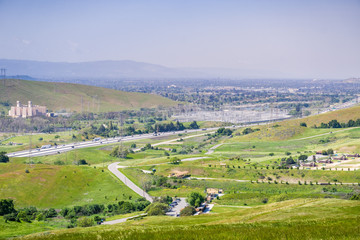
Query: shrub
[
  {"x": 6, "y": 206},
  {"x": 82, "y": 162},
  {"x": 85, "y": 222},
  {"x": 303, "y": 124},
  {"x": 188, "y": 211},
  {"x": 3, "y": 157},
  {"x": 156, "y": 209}
]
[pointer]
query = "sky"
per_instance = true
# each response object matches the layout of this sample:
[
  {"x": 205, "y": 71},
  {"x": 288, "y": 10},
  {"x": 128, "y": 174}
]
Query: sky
[{"x": 292, "y": 38}]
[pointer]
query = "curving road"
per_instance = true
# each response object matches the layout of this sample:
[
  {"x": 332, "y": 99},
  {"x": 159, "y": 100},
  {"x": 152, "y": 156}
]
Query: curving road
[{"x": 114, "y": 169}]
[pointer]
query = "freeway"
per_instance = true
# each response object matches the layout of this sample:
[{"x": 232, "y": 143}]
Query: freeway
[
  {"x": 76, "y": 145},
  {"x": 71, "y": 146}
]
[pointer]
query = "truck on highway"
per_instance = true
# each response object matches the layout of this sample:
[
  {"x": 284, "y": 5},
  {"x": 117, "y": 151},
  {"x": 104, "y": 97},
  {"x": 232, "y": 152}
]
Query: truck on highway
[{"x": 96, "y": 139}]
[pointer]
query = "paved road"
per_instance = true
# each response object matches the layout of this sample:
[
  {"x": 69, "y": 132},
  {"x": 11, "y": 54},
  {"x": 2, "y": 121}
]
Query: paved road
[
  {"x": 211, "y": 150},
  {"x": 114, "y": 169},
  {"x": 121, "y": 220}
]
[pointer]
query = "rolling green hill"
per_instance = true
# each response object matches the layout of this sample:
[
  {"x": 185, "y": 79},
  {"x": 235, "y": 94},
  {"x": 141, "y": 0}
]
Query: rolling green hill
[{"x": 68, "y": 96}]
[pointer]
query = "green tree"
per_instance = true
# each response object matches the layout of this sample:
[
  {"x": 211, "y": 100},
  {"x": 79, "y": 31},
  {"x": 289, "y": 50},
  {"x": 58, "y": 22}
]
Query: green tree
[
  {"x": 194, "y": 125},
  {"x": 303, "y": 157},
  {"x": 195, "y": 199},
  {"x": 3, "y": 157}
]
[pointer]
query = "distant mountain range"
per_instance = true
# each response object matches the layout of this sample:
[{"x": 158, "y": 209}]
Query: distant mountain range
[{"x": 116, "y": 69}]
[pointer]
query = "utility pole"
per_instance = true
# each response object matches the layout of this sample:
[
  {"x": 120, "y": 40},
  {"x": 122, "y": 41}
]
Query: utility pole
[
  {"x": 30, "y": 143},
  {"x": 121, "y": 136}
]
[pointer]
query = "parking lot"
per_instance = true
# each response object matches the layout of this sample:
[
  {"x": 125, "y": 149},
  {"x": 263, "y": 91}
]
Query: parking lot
[{"x": 176, "y": 208}]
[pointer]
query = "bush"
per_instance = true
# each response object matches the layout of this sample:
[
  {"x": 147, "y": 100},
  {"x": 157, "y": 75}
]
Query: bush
[
  {"x": 3, "y": 157},
  {"x": 85, "y": 222},
  {"x": 188, "y": 211},
  {"x": 51, "y": 213},
  {"x": 303, "y": 124},
  {"x": 82, "y": 162},
  {"x": 156, "y": 209},
  {"x": 6, "y": 206}
]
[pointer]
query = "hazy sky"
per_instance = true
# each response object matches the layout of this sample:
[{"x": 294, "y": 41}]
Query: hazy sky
[{"x": 305, "y": 38}]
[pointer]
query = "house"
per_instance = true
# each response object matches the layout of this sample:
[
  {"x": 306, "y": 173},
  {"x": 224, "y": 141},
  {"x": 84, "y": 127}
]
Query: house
[{"x": 214, "y": 190}]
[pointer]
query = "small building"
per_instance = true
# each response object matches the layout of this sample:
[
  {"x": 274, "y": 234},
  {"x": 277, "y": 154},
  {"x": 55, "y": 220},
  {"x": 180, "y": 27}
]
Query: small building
[{"x": 214, "y": 190}]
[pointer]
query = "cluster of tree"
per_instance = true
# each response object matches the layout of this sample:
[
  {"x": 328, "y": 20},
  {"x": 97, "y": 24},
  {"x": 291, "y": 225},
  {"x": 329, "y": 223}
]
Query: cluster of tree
[
  {"x": 178, "y": 126},
  {"x": 249, "y": 130},
  {"x": 195, "y": 199},
  {"x": 119, "y": 152},
  {"x": 121, "y": 207},
  {"x": 110, "y": 130},
  {"x": 3, "y": 157},
  {"x": 224, "y": 132},
  {"x": 335, "y": 124},
  {"x": 9, "y": 212},
  {"x": 327, "y": 152},
  {"x": 288, "y": 161},
  {"x": 159, "y": 207}
]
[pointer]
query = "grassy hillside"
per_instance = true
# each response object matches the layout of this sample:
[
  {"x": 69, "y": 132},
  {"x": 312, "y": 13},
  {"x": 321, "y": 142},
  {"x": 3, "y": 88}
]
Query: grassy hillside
[
  {"x": 294, "y": 219},
  {"x": 290, "y": 129},
  {"x": 58, "y": 186},
  {"x": 67, "y": 96}
]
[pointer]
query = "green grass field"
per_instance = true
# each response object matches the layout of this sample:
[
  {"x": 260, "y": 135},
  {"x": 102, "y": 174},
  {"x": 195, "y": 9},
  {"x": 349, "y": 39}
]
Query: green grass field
[
  {"x": 49, "y": 93},
  {"x": 59, "y": 186}
]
